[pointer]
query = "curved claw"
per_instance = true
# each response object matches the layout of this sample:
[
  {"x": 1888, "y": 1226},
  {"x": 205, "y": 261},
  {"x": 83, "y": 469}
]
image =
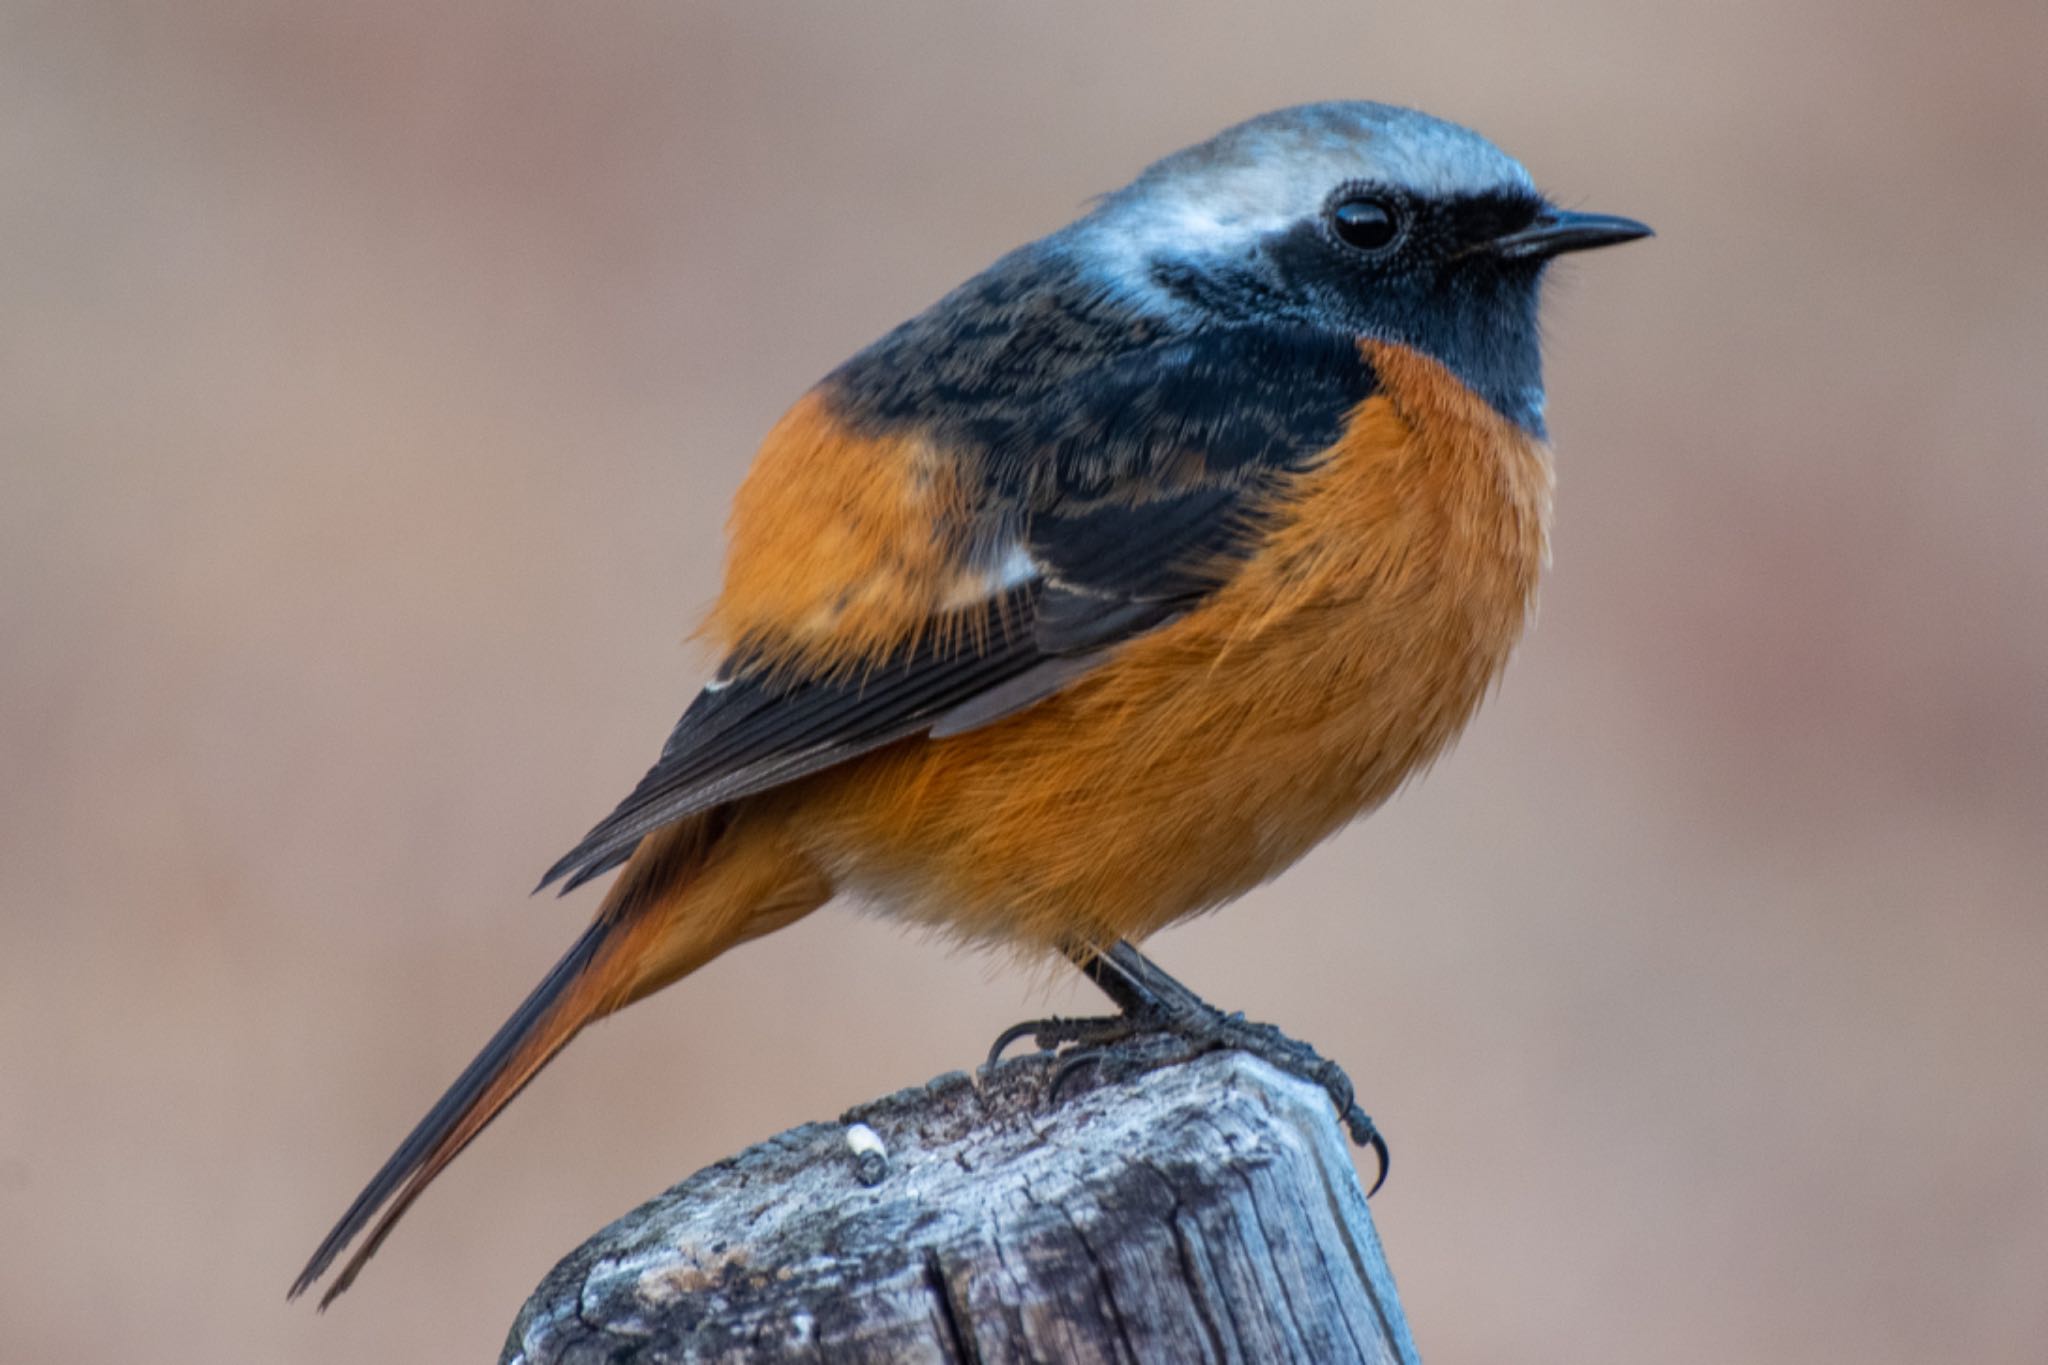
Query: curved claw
[
  {"x": 1068, "y": 1065},
  {"x": 1027, "y": 1029},
  {"x": 1366, "y": 1135}
]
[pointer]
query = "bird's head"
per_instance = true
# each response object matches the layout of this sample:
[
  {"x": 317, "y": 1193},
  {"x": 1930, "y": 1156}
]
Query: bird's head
[{"x": 1378, "y": 220}]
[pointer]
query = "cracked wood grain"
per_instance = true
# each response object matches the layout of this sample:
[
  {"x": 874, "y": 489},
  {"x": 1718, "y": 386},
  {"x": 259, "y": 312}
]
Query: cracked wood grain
[{"x": 1206, "y": 1211}]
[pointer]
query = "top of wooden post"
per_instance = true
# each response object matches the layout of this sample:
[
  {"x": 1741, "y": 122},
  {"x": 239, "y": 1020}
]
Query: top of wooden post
[{"x": 1208, "y": 1210}]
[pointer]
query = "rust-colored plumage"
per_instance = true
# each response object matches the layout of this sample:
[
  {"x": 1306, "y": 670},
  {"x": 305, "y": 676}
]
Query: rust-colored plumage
[
  {"x": 1216, "y": 750},
  {"x": 844, "y": 547}
]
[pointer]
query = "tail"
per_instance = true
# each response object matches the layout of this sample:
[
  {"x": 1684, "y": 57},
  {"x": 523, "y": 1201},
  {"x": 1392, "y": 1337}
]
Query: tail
[{"x": 684, "y": 899}]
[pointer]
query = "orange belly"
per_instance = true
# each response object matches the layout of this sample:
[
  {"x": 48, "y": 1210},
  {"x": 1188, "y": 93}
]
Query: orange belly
[{"x": 1212, "y": 753}]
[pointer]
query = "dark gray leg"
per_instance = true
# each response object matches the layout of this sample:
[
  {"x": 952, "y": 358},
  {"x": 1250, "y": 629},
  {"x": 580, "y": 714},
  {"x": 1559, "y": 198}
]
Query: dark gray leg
[{"x": 1152, "y": 1002}]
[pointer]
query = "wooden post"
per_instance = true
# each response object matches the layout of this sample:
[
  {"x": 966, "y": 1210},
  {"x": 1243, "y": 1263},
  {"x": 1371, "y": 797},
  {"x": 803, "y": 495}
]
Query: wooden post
[{"x": 1206, "y": 1211}]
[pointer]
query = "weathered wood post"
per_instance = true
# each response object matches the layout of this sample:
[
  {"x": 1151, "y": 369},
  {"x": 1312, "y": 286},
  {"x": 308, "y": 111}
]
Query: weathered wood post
[{"x": 1206, "y": 1211}]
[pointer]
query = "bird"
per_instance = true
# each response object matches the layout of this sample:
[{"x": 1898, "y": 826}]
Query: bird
[{"x": 1098, "y": 592}]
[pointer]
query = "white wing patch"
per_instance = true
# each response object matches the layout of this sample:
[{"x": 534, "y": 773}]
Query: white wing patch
[{"x": 1013, "y": 567}]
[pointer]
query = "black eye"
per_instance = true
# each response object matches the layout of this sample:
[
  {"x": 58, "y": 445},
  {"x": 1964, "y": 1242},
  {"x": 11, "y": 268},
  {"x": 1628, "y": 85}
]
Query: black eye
[{"x": 1369, "y": 222}]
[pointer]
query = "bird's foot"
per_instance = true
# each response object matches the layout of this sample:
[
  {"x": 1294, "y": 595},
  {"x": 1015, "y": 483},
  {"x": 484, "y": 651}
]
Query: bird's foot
[
  {"x": 1051, "y": 1034},
  {"x": 1200, "y": 1028}
]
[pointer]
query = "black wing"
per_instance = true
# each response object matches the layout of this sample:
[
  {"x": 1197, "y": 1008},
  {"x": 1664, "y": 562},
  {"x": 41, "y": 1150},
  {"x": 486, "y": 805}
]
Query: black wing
[
  {"x": 1132, "y": 495},
  {"x": 758, "y": 728}
]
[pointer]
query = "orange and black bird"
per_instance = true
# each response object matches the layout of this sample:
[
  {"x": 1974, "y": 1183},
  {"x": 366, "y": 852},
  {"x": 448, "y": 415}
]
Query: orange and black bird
[{"x": 1098, "y": 592}]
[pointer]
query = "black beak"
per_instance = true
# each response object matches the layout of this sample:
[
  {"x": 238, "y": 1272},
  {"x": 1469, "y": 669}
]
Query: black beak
[{"x": 1557, "y": 231}]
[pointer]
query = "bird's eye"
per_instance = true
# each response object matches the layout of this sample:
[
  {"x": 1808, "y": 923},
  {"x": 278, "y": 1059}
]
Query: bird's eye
[{"x": 1367, "y": 222}]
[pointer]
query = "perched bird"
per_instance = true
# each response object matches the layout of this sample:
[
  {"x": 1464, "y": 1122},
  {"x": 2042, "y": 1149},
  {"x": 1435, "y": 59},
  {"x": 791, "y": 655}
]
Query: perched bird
[{"x": 1100, "y": 591}]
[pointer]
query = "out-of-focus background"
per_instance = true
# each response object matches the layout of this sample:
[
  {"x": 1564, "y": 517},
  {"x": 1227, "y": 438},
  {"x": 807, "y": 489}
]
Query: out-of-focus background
[{"x": 372, "y": 381}]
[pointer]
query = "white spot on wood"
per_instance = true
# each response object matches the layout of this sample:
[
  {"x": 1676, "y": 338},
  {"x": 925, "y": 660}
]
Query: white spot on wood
[{"x": 870, "y": 1155}]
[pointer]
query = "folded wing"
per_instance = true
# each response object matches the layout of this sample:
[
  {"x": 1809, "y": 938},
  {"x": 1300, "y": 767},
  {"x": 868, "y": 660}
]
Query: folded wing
[{"x": 1115, "y": 509}]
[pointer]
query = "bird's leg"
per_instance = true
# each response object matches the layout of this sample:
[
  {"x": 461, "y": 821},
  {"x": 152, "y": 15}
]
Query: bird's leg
[
  {"x": 1091, "y": 1033},
  {"x": 1151, "y": 1002}
]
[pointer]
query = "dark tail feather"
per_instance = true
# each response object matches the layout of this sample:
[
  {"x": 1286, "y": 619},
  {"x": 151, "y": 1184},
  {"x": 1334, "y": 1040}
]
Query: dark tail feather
[{"x": 568, "y": 998}]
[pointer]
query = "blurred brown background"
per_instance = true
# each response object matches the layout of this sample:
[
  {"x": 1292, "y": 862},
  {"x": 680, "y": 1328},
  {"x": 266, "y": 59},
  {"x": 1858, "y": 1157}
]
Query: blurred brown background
[{"x": 372, "y": 381}]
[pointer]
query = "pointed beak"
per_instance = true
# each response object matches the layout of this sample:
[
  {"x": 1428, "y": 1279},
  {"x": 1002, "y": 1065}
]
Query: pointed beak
[{"x": 1557, "y": 231}]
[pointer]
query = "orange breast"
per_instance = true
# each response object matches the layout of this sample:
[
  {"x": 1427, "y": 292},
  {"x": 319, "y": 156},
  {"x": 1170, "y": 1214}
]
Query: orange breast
[{"x": 1215, "y": 751}]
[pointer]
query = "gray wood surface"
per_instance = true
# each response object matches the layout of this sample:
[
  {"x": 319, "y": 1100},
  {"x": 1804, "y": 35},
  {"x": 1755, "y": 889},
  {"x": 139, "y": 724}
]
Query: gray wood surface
[{"x": 1207, "y": 1211}]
